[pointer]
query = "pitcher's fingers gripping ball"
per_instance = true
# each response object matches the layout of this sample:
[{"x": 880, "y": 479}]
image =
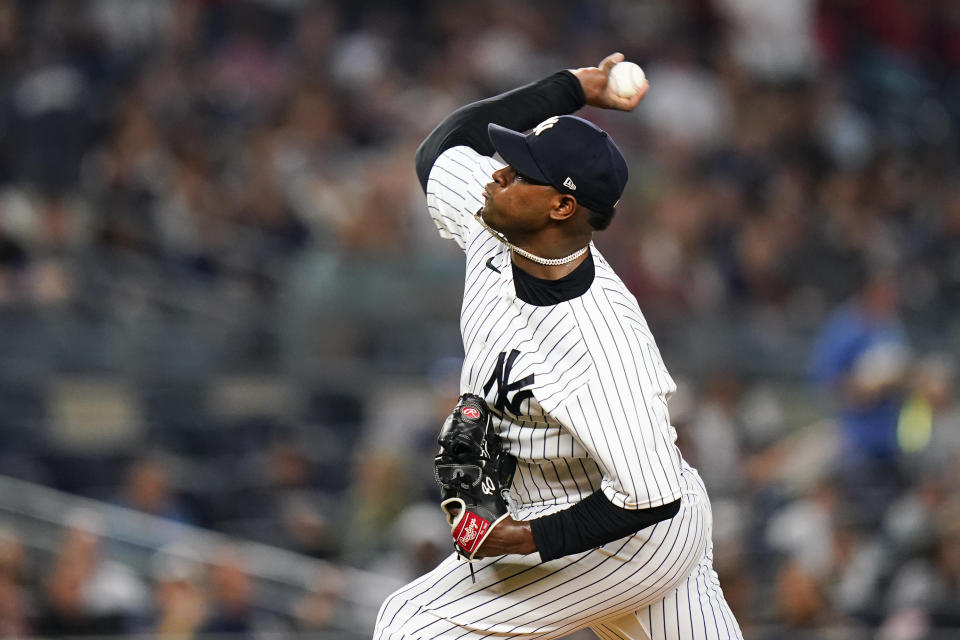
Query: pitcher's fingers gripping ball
[{"x": 474, "y": 474}]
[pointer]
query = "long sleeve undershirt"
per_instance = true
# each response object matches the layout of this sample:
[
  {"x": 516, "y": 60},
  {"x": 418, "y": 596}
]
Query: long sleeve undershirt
[
  {"x": 519, "y": 109},
  {"x": 591, "y": 523}
]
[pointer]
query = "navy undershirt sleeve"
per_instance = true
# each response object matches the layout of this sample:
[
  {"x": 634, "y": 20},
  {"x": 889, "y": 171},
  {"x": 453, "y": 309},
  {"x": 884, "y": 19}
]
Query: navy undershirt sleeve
[
  {"x": 520, "y": 109},
  {"x": 591, "y": 523}
]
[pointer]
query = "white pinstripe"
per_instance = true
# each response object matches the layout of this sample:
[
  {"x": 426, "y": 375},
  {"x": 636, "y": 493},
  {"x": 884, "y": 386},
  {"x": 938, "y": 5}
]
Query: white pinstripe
[{"x": 579, "y": 394}]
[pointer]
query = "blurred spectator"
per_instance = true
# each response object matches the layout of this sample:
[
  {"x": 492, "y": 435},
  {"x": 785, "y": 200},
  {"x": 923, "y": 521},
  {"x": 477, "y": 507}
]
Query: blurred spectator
[
  {"x": 87, "y": 594},
  {"x": 147, "y": 489},
  {"x": 910, "y": 527},
  {"x": 772, "y": 40},
  {"x": 63, "y": 612},
  {"x": 922, "y": 526},
  {"x": 323, "y": 607},
  {"x": 276, "y": 499},
  {"x": 231, "y": 608},
  {"x": 301, "y": 511},
  {"x": 376, "y": 498},
  {"x": 942, "y": 262},
  {"x": 799, "y": 598},
  {"x": 803, "y": 531},
  {"x": 715, "y": 435},
  {"x": 689, "y": 106},
  {"x": 861, "y": 564},
  {"x": 929, "y": 426},
  {"x": 861, "y": 359},
  {"x": 418, "y": 542},
  {"x": 180, "y": 603},
  {"x": 406, "y": 418},
  {"x": 945, "y": 606},
  {"x": 14, "y": 585},
  {"x": 132, "y": 26}
]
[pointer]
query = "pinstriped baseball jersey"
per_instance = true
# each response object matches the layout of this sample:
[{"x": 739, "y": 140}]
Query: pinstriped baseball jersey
[{"x": 578, "y": 389}]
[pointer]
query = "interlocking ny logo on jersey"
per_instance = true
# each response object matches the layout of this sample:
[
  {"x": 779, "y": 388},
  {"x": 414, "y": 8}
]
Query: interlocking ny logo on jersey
[{"x": 501, "y": 376}]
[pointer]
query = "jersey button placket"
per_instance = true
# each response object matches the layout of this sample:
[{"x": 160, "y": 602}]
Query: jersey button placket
[{"x": 506, "y": 279}]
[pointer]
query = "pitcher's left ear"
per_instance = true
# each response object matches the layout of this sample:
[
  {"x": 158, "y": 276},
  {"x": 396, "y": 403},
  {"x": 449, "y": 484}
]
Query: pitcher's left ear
[{"x": 564, "y": 206}]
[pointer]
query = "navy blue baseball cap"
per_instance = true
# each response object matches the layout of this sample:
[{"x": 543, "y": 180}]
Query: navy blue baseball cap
[{"x": 570, "y": 154}]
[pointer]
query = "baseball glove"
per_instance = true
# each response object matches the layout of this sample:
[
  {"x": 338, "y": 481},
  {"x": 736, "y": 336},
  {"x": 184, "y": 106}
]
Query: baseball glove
[{"x": 474, "y": 473}]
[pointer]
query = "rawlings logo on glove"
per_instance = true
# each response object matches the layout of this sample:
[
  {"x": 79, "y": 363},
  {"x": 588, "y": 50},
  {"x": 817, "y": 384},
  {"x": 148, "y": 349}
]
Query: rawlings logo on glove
[
  {"x": 471, "y": 530},
  {"x": 474, "y": 474}
]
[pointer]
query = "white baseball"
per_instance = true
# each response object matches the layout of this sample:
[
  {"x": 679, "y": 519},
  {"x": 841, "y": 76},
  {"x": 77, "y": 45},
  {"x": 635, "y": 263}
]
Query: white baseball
[{"x": 625, "y": 79}]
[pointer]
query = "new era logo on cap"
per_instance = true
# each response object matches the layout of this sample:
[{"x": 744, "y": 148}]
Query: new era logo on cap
[{"x": 572, "y": 154}]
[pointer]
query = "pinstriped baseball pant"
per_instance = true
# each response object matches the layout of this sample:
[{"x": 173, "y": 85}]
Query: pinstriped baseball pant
[{"x": 658, "y": 584}]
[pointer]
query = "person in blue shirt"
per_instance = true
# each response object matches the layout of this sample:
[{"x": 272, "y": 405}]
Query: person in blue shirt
[{"x": 861, "y": 358}]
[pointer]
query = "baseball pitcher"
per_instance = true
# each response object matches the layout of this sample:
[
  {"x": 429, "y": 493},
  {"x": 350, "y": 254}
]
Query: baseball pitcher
[{"x": 569, "y": 503}]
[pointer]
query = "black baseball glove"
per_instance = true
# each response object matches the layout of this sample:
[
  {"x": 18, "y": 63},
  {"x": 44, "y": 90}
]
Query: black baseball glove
[{"x": 474, "y": 473}]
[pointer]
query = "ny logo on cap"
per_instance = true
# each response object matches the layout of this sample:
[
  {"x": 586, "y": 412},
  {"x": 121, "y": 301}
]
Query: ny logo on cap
[{"x": 546, "y": 124}]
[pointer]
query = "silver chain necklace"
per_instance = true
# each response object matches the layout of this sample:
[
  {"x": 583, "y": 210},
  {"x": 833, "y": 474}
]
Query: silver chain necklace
[{"x": 550, "y": 262}]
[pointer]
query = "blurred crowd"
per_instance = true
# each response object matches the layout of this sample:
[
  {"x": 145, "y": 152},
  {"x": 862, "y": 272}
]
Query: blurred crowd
[
  {"x": 196, "y": 187},
  {"x": 82, "y": 591}
]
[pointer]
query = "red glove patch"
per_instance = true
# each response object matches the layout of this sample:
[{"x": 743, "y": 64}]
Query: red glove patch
[{"x": 470, "y": 532}]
